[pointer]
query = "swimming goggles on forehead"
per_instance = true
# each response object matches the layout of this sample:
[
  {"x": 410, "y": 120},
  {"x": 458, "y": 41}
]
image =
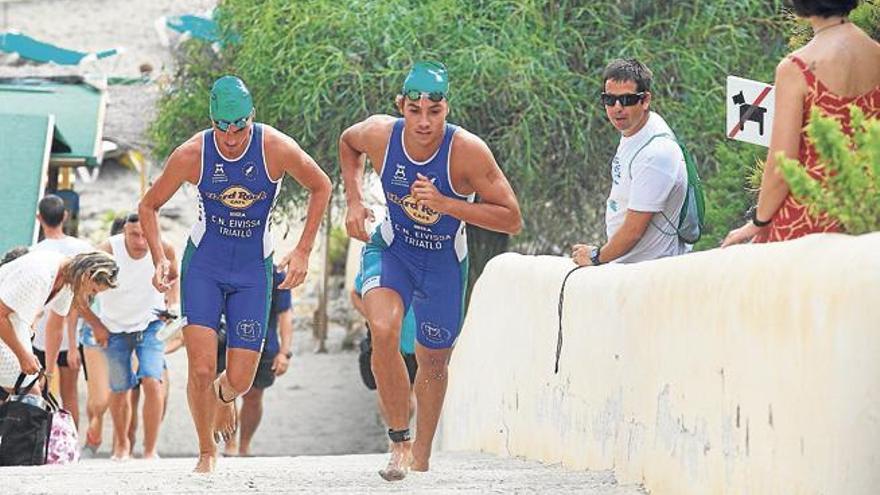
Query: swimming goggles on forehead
[
  {"x": 239, "y": 124},
  {"x": 416, "y": 95},
  {"x": 627, "y": 100}
]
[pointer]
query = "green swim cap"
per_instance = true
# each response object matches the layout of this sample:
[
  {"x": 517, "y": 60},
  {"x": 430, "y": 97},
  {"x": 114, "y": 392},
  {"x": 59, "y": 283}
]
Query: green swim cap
[
  {"x": 230, "y": 99},
  {"x": 427, "y": 77}
]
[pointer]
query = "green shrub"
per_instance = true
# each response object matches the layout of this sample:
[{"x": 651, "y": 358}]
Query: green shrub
[{"x": 851, "y": 192}]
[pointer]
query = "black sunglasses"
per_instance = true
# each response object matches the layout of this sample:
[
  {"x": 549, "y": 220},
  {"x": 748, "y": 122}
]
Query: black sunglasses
[
  {"x": 416, "y": 95},
  {"x": 627, "y": 100}
]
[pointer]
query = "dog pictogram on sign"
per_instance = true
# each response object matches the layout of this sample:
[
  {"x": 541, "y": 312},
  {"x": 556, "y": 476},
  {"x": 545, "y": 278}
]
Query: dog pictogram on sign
[{"x": 749, "y": 110}]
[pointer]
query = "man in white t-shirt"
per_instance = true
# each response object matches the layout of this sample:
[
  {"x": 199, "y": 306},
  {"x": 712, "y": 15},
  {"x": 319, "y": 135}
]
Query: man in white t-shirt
[
  {"x": 648, "y": 173},
  {"x": 64, "y": 343}
]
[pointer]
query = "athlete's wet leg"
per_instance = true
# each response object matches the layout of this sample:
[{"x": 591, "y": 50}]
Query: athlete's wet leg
[
  {"x": 201, "y": 351},
  {"x": 384, "y": 309},
  {"x": 431, "y": 380}
]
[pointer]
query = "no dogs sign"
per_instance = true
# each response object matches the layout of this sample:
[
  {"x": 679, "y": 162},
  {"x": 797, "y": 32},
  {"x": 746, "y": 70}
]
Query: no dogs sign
[{"x": 749, "y": 110}]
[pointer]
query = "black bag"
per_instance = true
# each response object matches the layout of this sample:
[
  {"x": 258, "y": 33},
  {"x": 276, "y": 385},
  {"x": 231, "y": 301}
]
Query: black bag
[
  {"x": 364, "y": 359},
  {"x": 25, "y": 427}
]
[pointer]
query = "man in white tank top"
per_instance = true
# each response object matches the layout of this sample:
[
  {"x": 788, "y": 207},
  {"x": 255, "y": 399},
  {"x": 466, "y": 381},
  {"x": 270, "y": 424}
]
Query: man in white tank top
[{"x": 128, "y": 324}]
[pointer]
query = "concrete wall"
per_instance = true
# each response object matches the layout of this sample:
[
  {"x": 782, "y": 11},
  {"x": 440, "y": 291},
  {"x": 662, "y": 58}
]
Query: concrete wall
[{"x": 750, "y": 370}]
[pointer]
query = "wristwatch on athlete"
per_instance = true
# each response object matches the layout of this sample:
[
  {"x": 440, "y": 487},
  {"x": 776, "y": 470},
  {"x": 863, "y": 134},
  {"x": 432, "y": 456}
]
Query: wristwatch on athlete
[
  {"x": 594, "y": 256},
  {"x": 289, "y": 354}
]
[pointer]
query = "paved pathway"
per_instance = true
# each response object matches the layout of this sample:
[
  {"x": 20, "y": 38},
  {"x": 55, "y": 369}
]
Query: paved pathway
[{"x": 452, "y": 473}]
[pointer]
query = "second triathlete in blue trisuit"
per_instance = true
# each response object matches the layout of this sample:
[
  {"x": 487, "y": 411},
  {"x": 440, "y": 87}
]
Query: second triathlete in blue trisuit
[
  {"x": 430, "y": 172},
  {"x": 237, "y": 167}
]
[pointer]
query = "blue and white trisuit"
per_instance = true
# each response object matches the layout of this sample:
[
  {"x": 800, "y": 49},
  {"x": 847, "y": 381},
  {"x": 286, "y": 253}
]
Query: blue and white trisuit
[
  {"x": 422, "y": 254},
  {"x": 227, "y": 265}
]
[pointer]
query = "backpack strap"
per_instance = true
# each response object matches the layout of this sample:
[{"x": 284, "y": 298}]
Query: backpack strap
[{"x": 652, "y": 138}]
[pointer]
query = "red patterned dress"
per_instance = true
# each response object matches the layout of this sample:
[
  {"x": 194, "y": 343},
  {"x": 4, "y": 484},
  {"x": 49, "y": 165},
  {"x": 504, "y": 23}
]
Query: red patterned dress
[{"x": 792, "y": 219}]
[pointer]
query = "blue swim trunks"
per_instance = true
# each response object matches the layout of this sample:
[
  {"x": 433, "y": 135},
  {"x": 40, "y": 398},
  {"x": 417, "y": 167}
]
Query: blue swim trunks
[
  {"x": 419, "y": 253},
  {"x": 408, "y": 326},
  {"x": 227, "y": 264}
]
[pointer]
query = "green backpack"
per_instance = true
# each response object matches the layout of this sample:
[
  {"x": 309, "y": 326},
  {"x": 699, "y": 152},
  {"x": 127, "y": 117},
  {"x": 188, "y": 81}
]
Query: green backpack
[{"x": 693, "y": 211}]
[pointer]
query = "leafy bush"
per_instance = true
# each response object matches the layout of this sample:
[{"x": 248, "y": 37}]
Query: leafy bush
[{"x": 851, "y": 192}]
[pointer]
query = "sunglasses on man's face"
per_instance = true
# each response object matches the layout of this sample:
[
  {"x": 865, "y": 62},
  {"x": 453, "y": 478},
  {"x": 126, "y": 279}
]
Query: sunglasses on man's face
[
  {"x": 627, "y": 100},
  {"x": 239, "y": 124},
  {"x": 416, "y": 95}
]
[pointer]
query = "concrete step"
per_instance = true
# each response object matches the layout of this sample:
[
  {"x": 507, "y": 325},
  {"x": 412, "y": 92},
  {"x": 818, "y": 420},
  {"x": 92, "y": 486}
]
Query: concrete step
[{"x": 450, "y": 473}]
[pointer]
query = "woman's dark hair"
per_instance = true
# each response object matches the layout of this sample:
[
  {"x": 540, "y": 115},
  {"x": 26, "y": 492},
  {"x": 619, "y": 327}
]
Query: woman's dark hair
[{"x": 822, "y": 8}]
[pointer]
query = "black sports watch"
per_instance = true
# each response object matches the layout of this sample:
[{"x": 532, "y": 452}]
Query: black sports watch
[
  {"x": 594, "y": 256},
  {"x": 288, "y": 354},
  {"x": 754, "y": 218}
]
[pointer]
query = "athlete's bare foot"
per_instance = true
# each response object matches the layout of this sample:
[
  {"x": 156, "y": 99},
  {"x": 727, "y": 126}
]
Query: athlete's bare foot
[
  {"x": 399, "y": 463},
  {"x": 225, "y": 422},
  {"x": 421, "y": 457},
  {"x": 420, "y": 466},
  {"x": 206, "y": 464}
]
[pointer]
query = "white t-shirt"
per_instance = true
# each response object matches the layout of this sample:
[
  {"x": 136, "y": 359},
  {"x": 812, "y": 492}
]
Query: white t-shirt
[
  {"x": 25, "y": 284},
  {"x": 68, "y": 246},
  {"x": 655, "y": 182}
]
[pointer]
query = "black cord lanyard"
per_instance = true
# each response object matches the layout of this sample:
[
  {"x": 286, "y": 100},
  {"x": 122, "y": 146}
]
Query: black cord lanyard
[{"x": 561, "y": 302}]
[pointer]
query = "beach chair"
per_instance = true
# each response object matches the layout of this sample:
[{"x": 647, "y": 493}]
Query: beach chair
[
  {"x": 21, "y": 45},
  {"x": 201, "y": 27}
]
